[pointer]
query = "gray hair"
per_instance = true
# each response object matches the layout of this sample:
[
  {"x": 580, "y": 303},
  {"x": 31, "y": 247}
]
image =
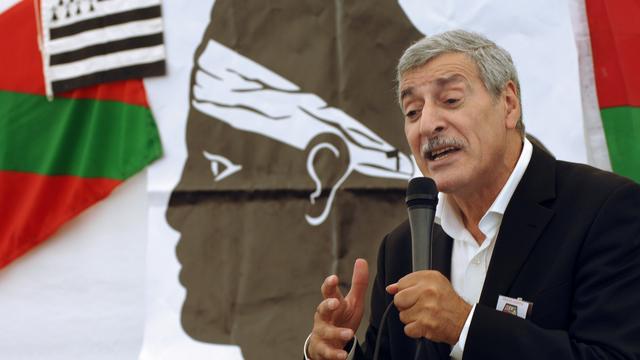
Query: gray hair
[{"x": 494, "y": 63}]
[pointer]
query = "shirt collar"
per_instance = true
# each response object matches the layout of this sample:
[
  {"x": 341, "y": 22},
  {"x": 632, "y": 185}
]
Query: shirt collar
[{"x": 448, "y": 214}]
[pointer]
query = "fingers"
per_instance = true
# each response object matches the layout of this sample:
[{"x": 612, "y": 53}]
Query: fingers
[
  {"x": 414, "y": 330},
  {"x": 429, "y": 306},
  {"x": 327, "y": 341},
  {"x": 420, "y": 321},
  {"x": 320, "y": 350},
  {"x": 425, "y": 317},
  {"x": 405, "y": 299},
  {"x": 327, "y": 307},
  {"x": 409, "y": 289},
  {"x": 418, "y": 277},
  {"x": 359, "y": 280},
  {"x": 333, "y": 334},
  {"x": 392, "y": 289},
  {"x": 330, "y": 289}
]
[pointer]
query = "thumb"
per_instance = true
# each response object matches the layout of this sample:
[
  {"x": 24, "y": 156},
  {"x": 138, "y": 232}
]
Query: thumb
[
  {"x": 359, "y": 281},
  {"x": 392, "y": 289}
]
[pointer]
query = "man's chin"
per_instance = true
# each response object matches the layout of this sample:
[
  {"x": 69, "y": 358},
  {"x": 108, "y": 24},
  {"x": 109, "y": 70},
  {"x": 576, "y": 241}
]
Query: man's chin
[
  {"x": 445, "y": 184},
  {"x": 448, "y": 178}
]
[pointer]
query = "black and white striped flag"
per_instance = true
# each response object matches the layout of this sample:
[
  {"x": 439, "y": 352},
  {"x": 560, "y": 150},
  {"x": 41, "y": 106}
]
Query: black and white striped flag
[{"x": 86, "y": 42}]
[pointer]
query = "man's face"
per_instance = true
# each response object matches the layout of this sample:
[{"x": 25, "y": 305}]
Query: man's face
[{"x": 456, "y": 130}]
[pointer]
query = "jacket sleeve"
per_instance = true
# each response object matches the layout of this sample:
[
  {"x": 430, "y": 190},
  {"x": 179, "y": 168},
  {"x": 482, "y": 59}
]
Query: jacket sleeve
[{"x": 605, "y": 306}]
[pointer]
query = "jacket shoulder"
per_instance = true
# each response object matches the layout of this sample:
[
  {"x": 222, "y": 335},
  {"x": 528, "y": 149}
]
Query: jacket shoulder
[
  {"x": 589, "y": 175},
  {"x": 586, "y": 181}
]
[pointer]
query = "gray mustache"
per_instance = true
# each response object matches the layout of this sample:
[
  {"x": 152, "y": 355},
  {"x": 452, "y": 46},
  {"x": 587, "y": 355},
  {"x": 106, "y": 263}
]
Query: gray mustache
[{"x": 439, "y": 142}]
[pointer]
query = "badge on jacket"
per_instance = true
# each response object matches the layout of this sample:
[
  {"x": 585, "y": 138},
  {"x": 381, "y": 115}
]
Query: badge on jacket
[{"x": 517, "y": 307}]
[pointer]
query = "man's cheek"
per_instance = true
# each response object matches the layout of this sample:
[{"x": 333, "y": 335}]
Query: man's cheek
[{"x": 414, "y": 142}]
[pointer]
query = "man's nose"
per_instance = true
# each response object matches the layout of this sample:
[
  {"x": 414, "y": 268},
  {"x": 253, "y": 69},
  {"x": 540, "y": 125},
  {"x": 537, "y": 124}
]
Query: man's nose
[{"x": 432, "y": 122}]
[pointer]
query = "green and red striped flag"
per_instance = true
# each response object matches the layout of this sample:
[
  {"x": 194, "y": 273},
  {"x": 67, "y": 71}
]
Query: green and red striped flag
[
  {"x": 615, "y": 43},
  {"x": 59, "y": 157}
]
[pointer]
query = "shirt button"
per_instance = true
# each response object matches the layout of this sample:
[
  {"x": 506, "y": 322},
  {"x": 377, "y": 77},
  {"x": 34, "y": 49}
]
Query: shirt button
[{"x": 476, "y": 261}]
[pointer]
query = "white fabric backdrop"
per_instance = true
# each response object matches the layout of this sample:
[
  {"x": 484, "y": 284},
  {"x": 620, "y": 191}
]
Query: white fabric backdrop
[{"x": 80, "y": 294}]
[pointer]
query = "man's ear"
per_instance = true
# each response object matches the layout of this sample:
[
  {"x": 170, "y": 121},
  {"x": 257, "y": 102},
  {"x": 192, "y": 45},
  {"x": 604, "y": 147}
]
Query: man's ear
[
  {"x": 328, "y": 165},
  {"x": 512, "y": 105}
]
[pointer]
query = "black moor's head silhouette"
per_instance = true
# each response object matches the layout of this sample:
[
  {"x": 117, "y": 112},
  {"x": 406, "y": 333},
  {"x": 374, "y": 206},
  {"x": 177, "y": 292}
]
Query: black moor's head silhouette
[{"x": 297, "y": 163}]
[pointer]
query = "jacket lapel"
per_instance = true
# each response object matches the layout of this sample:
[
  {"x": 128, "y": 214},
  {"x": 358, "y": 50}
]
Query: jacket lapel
[
  {"x": 441, "y": 249},
  {"x": 523, "y": 222}
]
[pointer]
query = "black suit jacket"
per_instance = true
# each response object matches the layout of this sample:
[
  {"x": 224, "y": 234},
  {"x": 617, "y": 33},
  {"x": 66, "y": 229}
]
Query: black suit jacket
[{"x": 569, "y": 242}]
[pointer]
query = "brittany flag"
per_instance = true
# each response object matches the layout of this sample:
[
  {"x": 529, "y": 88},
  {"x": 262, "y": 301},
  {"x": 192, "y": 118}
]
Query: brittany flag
[
  {"x": 87, "y": 42},
  {"x": 59, "y": 157}
]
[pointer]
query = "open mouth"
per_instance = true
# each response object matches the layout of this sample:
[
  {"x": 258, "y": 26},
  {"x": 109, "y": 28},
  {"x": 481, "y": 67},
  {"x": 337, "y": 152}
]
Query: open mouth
[{"x": 441, "y": 153}]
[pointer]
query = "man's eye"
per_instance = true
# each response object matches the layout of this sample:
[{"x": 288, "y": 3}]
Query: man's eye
[
  {"x": 452, "y": 101},
  {"x": 411, "y": 114}
]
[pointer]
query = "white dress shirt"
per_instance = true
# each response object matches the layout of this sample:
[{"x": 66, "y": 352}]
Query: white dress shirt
[{"x": 470, "y": 261}]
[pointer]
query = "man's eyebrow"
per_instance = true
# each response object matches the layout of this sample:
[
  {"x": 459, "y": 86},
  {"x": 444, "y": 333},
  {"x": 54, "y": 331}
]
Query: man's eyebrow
[
  {"x": 439, "y": 83},
  {"x": 449, "y": 80},
  {"x": 405, "y": 92}
]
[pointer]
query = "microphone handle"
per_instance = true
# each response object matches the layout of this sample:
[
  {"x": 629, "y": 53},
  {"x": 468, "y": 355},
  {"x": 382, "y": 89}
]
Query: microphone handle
[{"x": 421, "y": 222}]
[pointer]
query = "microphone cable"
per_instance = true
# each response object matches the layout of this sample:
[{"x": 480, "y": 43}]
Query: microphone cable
[{"x": 376, "y": 351}]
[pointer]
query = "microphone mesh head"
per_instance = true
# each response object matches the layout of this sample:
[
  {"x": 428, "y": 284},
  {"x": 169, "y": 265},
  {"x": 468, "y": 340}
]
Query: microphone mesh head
[{"x": 422, "y": 191}]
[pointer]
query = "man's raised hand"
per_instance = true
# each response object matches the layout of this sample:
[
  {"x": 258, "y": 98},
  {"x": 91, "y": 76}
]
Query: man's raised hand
[{"x": 337, "y": 317}]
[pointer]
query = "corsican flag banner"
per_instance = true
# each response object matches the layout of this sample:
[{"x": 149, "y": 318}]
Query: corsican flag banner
[
  {"x": 87, "y": 42},
  {"x": 59, "y": 157}
]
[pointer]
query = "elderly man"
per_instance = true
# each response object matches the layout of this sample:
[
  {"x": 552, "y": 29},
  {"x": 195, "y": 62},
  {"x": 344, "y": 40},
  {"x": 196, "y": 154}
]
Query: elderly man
[{"x": 533, "y": 258}]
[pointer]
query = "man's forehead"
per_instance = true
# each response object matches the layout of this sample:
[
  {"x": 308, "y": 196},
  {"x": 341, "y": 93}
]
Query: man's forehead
[
  {"x": 443, "y": 66},
  {"x": 450, "y": 79},
  {"x": 443, "y": 70}
]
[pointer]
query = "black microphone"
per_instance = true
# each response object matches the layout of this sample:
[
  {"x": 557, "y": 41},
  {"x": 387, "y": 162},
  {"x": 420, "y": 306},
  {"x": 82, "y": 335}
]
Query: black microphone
[{"x": 422, "y": 198}]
